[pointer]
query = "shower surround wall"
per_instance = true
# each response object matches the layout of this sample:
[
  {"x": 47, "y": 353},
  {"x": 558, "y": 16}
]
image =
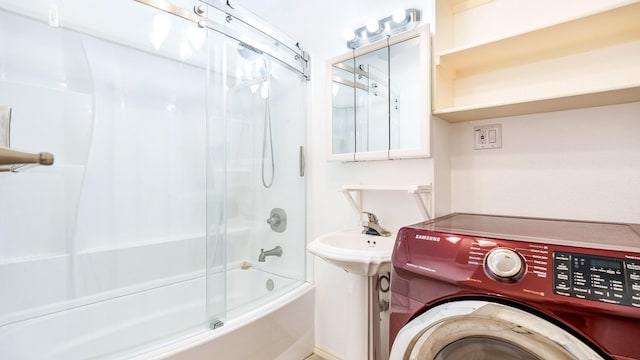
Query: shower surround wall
[{"x": 138, "y": 234}]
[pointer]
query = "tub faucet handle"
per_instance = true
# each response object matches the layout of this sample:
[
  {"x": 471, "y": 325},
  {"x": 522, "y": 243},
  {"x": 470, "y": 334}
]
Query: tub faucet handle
[
  {"x": 274, "y": 220},
  {"x": 277, "y": 220}
]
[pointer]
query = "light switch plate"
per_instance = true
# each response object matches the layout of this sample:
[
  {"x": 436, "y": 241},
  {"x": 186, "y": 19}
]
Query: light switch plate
[{"x": 487, "y": 137}]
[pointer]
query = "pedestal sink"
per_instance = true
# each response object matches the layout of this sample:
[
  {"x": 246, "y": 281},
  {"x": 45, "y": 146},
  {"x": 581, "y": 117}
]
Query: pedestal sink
[
  {"x": 357, "y": 253},
  {"x": 364, "y": 257}
]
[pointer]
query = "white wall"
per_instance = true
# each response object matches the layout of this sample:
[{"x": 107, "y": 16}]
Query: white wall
[{"x": 579, "y": 164}]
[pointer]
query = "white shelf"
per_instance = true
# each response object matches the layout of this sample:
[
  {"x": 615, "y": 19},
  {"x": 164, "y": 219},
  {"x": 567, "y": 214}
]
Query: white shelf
[
  {"x": 579, "y": 61},
  {"x": 613, "y": 26},
  {"x": 541, "y": 105},
  {"x": 408, "y": 188},
  {"x": 424, "y": 203}
]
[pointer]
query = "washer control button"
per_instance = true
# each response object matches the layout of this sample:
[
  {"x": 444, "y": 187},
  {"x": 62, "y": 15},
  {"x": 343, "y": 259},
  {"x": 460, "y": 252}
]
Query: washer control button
[{"x": 504, "y": 264}]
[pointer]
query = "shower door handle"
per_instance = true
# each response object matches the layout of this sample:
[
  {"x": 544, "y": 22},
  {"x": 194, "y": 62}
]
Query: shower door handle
[
  {"x": 11, "y": 160},
  {"x": 302, "y": 161}
]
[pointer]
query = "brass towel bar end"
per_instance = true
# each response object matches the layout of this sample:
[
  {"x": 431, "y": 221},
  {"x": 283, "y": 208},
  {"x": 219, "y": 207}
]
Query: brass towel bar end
[
  {"x": 46, "y": 159},
  {"x": 12, "y": 160}
]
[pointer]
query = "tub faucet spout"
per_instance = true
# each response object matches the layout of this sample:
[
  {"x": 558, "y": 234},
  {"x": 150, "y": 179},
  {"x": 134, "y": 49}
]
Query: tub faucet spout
[{"x": 276, "y": 251}]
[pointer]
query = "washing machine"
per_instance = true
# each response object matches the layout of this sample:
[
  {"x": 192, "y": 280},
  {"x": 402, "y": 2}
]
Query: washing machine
[{"x": 473, "y": 286}]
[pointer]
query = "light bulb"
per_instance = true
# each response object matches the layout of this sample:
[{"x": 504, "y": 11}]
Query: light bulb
[
  {"x": 373, "y": 25},
  {"x": 348, "y": 34},
  {"x": 399, "y": 15}
]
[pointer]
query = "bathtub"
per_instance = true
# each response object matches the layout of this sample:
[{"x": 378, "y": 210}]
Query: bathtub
[
  {"x": 166, "y": 318},
  {"x": 281, "y": 329}
]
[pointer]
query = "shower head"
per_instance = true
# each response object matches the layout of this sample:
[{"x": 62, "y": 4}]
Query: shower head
[
  {"x": 248, "y": 52},
  {"x": 255, "y": 62}
]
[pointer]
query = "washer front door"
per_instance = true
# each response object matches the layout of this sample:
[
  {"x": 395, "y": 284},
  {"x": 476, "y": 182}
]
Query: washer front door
[{"x": 479, "y": 330}]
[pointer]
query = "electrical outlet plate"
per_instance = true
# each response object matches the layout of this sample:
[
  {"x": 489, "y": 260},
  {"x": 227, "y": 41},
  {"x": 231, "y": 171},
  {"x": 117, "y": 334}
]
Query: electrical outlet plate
[{"x": 487, "y": 137}]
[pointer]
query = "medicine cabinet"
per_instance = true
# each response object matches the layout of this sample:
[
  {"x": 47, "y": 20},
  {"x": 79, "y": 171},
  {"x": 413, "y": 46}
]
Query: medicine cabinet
[{"x": 380, "y": 102}]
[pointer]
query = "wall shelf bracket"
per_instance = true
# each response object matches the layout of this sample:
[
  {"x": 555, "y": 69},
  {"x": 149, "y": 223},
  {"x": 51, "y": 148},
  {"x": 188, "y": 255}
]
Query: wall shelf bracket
[{"x": 421, "y": 193}]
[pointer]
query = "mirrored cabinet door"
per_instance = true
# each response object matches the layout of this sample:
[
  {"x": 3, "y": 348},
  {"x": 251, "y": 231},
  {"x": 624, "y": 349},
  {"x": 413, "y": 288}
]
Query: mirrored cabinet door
[
  {"x": 380, "y": 100},
  {"x": 343, "y": 123},
  {"x": 372, "y": 104},
  {"x": 410, "y": 101}
]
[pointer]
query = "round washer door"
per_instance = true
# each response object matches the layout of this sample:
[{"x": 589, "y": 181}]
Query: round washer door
[{"x": 478, "y": 330}]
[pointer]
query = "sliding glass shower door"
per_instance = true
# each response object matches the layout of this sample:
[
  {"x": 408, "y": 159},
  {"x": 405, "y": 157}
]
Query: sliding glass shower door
[
  {"x": 256, "y": 170},
  {"x": 103, "y": 253}
]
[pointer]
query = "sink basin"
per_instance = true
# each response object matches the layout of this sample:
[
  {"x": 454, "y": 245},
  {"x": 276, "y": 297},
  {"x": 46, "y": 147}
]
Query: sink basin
[{"x": 355, "y": 252}]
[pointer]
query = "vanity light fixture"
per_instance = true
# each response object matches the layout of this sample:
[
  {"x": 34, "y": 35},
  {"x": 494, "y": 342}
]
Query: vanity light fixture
[
  {"x": 373, "y": 26},
  {"x": 401, "y": 20}
]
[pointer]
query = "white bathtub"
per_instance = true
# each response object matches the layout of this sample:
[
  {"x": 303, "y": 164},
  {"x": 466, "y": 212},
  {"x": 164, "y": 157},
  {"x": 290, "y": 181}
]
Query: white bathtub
[
  {"x": 281, "y": 329},
  {"x": 168, "y": 316}
]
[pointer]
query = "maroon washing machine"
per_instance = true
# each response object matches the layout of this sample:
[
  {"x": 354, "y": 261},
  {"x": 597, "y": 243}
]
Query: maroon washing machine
[{"x": 469, "y": 286}]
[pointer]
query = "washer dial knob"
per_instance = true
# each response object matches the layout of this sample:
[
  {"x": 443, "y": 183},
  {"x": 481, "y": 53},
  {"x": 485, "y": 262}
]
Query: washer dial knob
[{"x": 504, "y": 265}]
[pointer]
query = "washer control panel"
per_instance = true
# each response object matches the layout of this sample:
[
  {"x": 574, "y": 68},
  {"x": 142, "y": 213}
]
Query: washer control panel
[{"x": 603, "y": 279}]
